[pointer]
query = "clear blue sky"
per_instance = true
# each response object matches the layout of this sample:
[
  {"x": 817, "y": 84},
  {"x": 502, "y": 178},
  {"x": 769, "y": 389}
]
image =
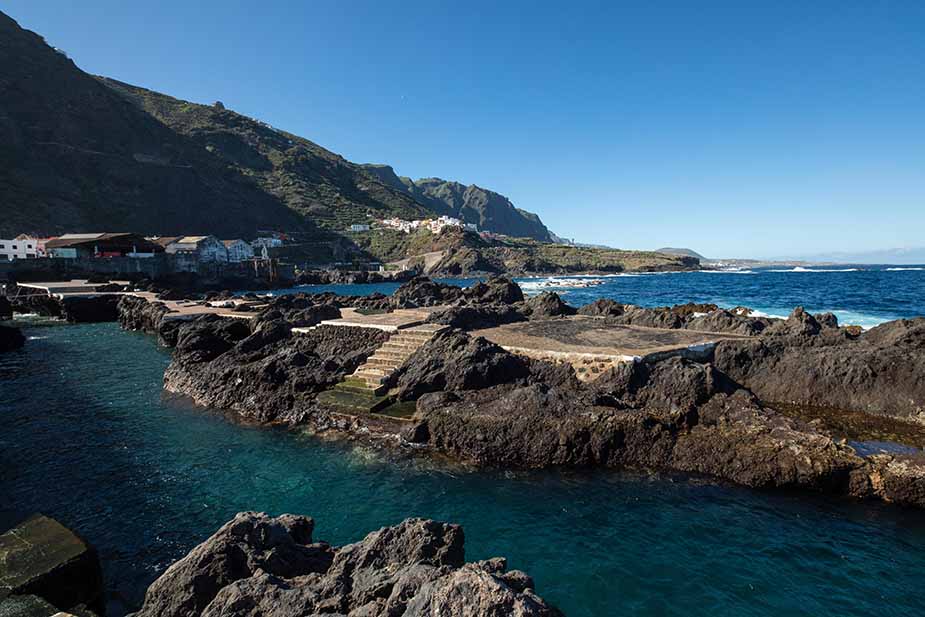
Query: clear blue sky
[{"x": 734, "y": 128}]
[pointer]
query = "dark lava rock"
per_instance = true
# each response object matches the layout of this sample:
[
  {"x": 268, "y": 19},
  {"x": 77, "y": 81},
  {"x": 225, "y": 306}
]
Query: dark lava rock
[
  {"x": 90, "y": 309},
  {"x": 38, "y": 303},
  {"x": 260, "y": 565},
  {"x": 692, "y": 308},
  {"x": 421, "y": 291},
  {"x": 602, "y": 308},
  {"x": 268, "y": 375},
  {"x": 495, "y": 290},
  {"x": 721, "y": 320},
  {"x": 41, "y": 557},
  {"x": 547, "y": 304},
  {"x": 662, "y": 317},
  {"x": 6, "y": 309},
  {"x": 800, "y": 362},
  {"x": 139, "y": 314},
  {"x": 476, "y": 316},
  {"x": 454, "y": 360},
  {"x": 11, "y": 338}
]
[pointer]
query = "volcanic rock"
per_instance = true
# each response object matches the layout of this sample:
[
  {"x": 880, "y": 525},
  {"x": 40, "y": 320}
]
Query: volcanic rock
[
  {"x": 260, "y": 565},
  {"x": 422, "y": 291},
  {"x": 547, "y": 304},
  {"x": 799, "y": 362},
  {"x": 453, "y": 360},
  {"x": 497, "y": 289},
  {"x": 602, "y": 307}
]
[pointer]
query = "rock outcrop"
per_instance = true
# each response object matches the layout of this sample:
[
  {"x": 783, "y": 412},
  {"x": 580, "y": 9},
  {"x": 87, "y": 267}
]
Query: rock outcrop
[
  {"x": 267, "y": 374},
  {"x": 6, "y": 309},
  {"x": 806, "y": 362},
  {"x": 11, "y": 338},
  {"x": 674, "y": 415},
  {"x": 271, "y": 567}
]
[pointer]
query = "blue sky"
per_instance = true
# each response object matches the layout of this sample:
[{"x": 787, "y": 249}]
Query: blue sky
[{"x": 738, "y": 129}]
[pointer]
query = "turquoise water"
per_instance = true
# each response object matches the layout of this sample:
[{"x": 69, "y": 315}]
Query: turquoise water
[
  {"x": 88, "y": 437},
  {"x": 861, "y": 295}
]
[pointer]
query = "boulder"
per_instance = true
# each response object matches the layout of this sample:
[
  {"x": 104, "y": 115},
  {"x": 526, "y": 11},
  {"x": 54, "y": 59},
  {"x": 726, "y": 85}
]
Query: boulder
[
  {"x": 476, "y": 316},
  {"x": 421, "y": 291},
  {"x": 453, "y": 360},
  {"x": 261, "y": 565},
  {"x": 602, "y": 308},
  {"x": 43, "y": 558},
  {"x": 547, "y": 304},
  {"x": 495, "y": 290}
]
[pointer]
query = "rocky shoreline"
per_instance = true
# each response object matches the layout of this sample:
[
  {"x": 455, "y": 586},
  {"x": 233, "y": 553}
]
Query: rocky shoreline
[
  {"x": 477, "y": 402},
  {"x": 257, "y": 564}
]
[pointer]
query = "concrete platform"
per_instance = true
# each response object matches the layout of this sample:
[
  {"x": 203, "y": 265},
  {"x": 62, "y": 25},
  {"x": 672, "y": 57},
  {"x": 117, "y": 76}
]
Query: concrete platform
[
  {"x": 592, "y": 346},
  {"x": 75, "y": 287},
  {"x": 398, "y": 319},
  {"x": 188, "y": 309}
]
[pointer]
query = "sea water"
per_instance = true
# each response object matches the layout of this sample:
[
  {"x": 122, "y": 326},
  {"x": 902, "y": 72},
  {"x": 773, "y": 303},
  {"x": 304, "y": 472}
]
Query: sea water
[{"x": 87, "y": 436}]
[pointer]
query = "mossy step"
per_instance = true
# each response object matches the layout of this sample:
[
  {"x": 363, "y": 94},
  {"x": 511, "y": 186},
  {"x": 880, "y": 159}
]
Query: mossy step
[{"x": 356, "y": 402}]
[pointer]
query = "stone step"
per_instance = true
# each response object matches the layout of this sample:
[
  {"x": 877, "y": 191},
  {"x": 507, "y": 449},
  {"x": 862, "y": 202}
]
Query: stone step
[
  {"x": 369, "y": 376},
  {"x": 389, "y": 363},
  {"x": 390, "y": 346},
  {"x": 381, "y": 354}
]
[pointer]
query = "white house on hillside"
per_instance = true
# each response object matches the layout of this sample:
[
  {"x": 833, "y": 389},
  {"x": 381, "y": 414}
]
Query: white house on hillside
[
  {"x": 238, "y": 250},
  {"x": 205, "y": 248},
  {"x": 22, "y": 247}
]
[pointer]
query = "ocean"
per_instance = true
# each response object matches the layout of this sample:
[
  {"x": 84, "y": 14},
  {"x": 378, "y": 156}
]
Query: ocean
[{"x": 88, "y": 436}]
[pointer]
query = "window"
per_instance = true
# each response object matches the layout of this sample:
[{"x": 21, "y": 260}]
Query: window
[
  {"x": 28, "y": 246},
  {"x": 14, "y": 247}
]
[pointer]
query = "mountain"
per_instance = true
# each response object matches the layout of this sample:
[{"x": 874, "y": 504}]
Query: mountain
[
  {"x": 472, "y": 204},
  {"x": 84, "y": 153},
  {"x": 682, "y": 252}
]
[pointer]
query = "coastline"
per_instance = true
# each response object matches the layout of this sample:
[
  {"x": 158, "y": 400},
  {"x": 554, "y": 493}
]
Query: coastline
[{"x": 456, "y": 379}]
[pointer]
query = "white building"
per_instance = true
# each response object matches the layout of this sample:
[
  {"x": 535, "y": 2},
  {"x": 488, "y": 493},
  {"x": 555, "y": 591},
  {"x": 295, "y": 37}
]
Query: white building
[
  {"x": 204, "y": 248},
  {"x": 266, "y": 241},
  {"x": 238, "y": 250},
  {"x": 21, "y": 247},
  {"x": 434, "y": 225}
]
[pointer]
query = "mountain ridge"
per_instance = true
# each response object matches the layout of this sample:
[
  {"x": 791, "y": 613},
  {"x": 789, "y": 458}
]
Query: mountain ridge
[{"x": 83, "y": 153}]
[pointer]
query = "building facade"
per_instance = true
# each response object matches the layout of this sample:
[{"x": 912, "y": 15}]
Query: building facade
[
  {"x": 205, "y": 248},
  {"x": 21, "y": 247},
  {"x": 101, "y": 245},
  {"x": 238, "y": 250}
]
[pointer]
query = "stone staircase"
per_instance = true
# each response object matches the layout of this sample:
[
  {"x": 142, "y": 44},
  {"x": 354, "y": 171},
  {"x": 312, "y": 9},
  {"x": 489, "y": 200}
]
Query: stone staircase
[{"x": 392, "y": 355}]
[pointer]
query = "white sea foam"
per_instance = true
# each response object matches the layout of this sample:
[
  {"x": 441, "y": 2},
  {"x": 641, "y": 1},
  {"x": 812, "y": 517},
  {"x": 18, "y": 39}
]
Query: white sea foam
[
  {"x": 904, "y": 269},
  {"x": 845, "y": 318},
  {"x": 730, "y": 271},
  {"x": 802, "y": 269}
]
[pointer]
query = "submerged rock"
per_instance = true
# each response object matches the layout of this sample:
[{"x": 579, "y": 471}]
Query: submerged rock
[{"x": 261, "y": 565}]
